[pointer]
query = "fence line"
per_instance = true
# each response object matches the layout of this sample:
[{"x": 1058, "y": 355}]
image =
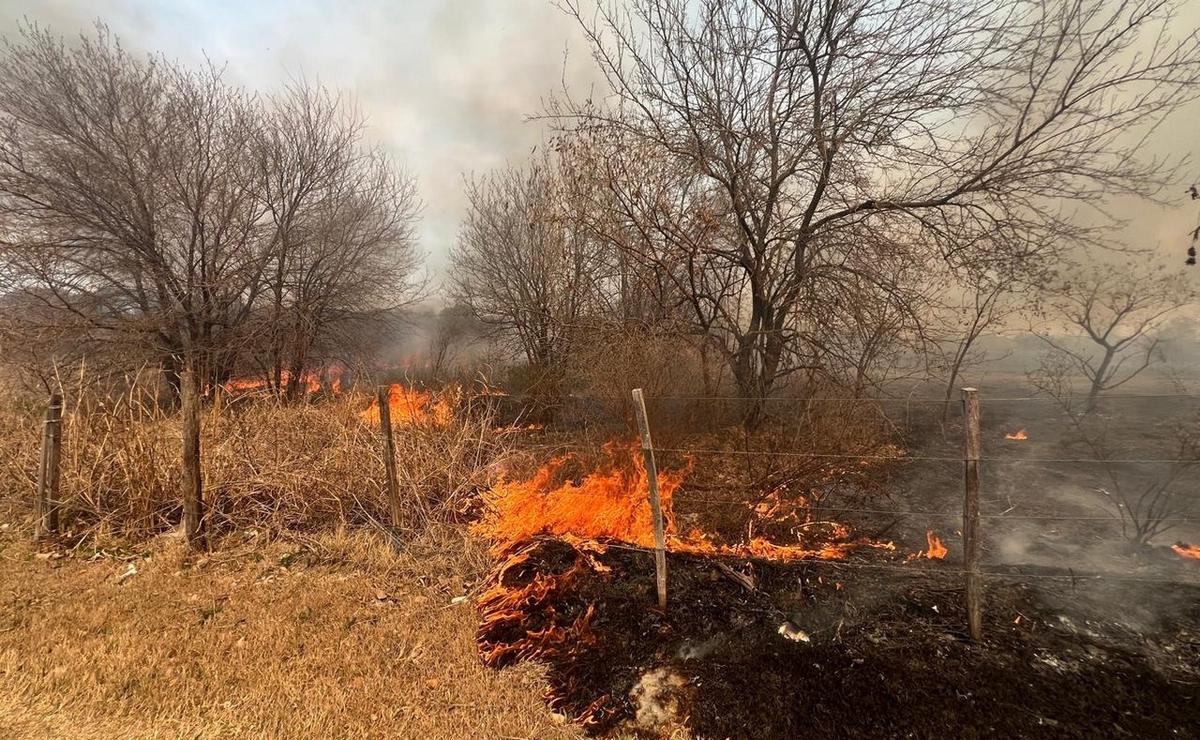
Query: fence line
[
  {"x": 894, "y": 458},
  {"x": 894, "y": 512},
  {"x": 997, "y": 574},
  {"x": 832, "y": 399}
]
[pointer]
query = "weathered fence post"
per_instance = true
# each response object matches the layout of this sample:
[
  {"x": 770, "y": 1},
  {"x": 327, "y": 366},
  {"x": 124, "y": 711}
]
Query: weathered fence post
[
  {"x": 383, "y": 396},
  {"x": 971, "y": 456},
  {"x": 46, "y": 509},
  {"x": 194, "y": 527},
  {"x": 660, "y": 553}
]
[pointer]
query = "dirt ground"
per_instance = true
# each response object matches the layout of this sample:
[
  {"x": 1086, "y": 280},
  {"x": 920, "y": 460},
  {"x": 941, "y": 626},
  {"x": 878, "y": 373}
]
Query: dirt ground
[{"x": 336, "y": 639}]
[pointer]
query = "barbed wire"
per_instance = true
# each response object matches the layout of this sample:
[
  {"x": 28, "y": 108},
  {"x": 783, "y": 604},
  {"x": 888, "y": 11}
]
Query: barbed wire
[
  {"x": 1114, "y": 577},
  {"x": 924, "y": 458},
  {"x": 983, "y": 398},
  {"x": 820, "y": 509}
]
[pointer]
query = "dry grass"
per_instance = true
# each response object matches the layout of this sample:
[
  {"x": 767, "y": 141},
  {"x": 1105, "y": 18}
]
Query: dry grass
[
  {"x": 278, "y": 468},
  {"x": 339, "y": 638}
]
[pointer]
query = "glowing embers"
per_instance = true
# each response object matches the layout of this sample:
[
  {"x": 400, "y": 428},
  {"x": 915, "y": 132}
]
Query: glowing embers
[
  {"x": 411, "y": 406},
  {"x": 1018, "y": 436},
  {"x": 529, "y": 611}
]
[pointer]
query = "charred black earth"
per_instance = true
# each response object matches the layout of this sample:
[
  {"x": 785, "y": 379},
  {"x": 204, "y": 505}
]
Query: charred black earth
[{"x": 875, "y": 651}]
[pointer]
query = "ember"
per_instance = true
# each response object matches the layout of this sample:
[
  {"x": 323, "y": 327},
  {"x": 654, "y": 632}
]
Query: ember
[
  {"x": 411, "y": 406},
  {"x": 1184, "y": 550},
  {"x": 1019, "y": 435}
]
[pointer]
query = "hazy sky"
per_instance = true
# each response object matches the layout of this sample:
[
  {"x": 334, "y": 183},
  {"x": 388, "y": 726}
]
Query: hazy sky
[{"x": 446, "y": 84}]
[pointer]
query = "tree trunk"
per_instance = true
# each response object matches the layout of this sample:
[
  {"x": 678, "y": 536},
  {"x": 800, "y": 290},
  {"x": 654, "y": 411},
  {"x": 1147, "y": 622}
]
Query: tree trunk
[
  {"x": 192, "y": 483},
  {"x": 1098, "y": 380}
]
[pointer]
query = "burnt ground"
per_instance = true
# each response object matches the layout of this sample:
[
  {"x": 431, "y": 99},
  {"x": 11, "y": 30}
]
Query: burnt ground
[
  {"x": 886, "y": 653},
  {"x": 1064, "y": 655}
]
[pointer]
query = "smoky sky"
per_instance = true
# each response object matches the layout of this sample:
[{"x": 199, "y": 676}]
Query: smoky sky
[{"x": 448, "y": 85}]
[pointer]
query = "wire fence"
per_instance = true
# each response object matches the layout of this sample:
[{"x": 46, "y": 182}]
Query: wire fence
[{"x": 970, "y": 569}]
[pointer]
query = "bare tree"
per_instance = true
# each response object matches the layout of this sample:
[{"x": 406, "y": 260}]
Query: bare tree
[
  {"x": 128, "y": 190},
  {"x": 523, "y": 269},
  {"x": 801, "y": 143},
  {"x": 1147, "y": 498},
  {"x": 147, "y": 215},
  {"x": 1118, "y": 309},
  {"x": 341, "y": 218}
]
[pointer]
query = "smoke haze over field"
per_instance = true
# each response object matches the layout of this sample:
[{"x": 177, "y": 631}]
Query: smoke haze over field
[{"x": 447, "y": 84}]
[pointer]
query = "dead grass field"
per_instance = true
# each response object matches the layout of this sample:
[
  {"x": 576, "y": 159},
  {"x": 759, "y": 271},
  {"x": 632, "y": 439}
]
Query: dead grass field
[{"x": 336, "y": 637}]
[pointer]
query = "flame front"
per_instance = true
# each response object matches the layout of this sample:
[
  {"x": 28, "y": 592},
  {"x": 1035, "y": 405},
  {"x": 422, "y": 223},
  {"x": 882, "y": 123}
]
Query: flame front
[
  {"x": 1020, "y": 435},
  {"x": 410, "y": 406},
  {"x": 1184, "y": 550},
  {"x": 612, "y": 503},
  {"x": 549, "y": 532}
]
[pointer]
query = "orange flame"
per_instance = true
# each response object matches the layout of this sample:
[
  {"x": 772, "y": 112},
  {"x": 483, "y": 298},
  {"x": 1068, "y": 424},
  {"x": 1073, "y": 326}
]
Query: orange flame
[
  {"x": 1185, "y": 550},
  {"x": 936, "y": 550},
  {"x": 1019, "y": 435},
  {"x": 612, "y": 503},
  {"x": 312, "y": 381},
  {"x": 410, "y": 406}
]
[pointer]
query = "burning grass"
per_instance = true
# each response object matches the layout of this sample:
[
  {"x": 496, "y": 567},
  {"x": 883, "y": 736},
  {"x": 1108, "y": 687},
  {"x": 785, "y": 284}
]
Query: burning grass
[
  {"x": 413, "y": 406},
  {"x": 267, "y": 465}
]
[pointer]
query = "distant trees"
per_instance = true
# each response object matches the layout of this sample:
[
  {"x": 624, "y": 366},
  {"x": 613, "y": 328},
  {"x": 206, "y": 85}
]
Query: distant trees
[
  {"x": 1117, "y": 308},
  {"x": 340, "y": 220},
  {"x": 784, "y": 166},
  {"x": 522, "y": 268},
  {"x": 155, "y": 213}
]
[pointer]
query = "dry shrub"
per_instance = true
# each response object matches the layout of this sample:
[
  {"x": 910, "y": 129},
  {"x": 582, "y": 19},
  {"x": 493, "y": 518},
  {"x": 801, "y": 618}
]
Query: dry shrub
[
  {"x": 267, "y": 465},
  {"x": 670, "y": 368}
]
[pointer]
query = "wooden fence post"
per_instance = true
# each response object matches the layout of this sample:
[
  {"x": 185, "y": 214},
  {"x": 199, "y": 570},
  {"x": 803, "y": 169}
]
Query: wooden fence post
[
  {"x": 46, "y": 505},
  {"x": 194, "y": 525},
  {"x": 971, "y": 456},
  {"x": 383, "y": 396},
  {"x": 660, "y": 552}
]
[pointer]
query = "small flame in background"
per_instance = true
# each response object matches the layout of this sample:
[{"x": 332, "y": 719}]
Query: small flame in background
[
  {"x": 411, "y": 406},
  {"x": 936, "y": 550},
  {"x": 313, "y": 380},
  {"x": 1185, "y": 550},
  {"x": 1019, "y": 435}
]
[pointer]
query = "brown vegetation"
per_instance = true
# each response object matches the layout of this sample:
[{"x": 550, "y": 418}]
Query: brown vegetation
[{"x": 337, "y": 636}]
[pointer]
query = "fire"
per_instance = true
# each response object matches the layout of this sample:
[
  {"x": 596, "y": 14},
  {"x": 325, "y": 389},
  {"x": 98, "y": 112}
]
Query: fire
[
  {"x": 1019, "y": 435},
  {"x": 312, "y": 380},
  {"x": 936, "y": 550},
  {"x": 612, "y": 504},
  {"x": 411, "y": 406},
  {"x": 549, "y": 531},
  {"x": 1185, "y": 550}
]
